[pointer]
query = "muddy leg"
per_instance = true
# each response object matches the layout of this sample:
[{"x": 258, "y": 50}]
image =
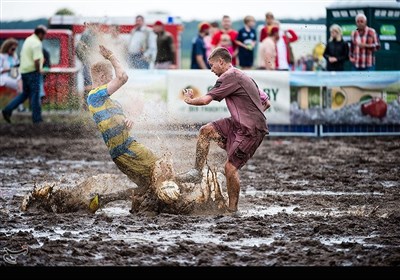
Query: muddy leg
[
  {"x": 232, "y": 186},
  {"x": 137, "y": 197},
  {"x": 122, "y": 195},
  {"x": 207, "y": 133}
]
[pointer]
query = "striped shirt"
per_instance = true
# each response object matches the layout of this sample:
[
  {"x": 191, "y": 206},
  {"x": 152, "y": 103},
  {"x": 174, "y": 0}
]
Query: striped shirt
[
  {"x": 109, "y": 117},
  {"x": 364, "y": 57}
]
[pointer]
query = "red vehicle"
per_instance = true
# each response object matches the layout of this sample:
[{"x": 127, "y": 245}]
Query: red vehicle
[{"x": 60, "y": 81}]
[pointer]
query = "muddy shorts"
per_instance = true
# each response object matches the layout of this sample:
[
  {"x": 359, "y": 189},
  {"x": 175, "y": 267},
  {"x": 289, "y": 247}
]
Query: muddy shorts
[
  {"x": 240, "y": 148},
  {"x": 137, "y": 164}
]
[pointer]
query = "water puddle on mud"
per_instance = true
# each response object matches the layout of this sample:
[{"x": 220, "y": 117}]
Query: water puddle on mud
[
  {"x": 390, "y": 184},
  {"x": 250, "y": 191},
  {"x": 362, "y": 240}
]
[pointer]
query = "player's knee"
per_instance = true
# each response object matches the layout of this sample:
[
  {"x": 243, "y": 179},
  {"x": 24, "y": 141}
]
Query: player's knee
[
  {"x": 230, "y": 169},
  {"x": 207, "y": 130}
]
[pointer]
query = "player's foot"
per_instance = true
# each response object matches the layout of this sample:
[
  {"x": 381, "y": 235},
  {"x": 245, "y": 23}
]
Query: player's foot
[
  {"x": 6, "y": 116},
  {"x": 232, "y": 212},
  {"x": 191, "y": 176},
  {"x": 94, "y": 203}
]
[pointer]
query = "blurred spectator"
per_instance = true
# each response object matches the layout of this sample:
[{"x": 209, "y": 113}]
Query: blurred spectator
[
  {"x": 31, "y": 71},
  {"x": 117, "y": 44},
  {"x": 199, "y": 59},
  {"x": 165, "y": 58},
  {"x": 318, "y": 56},
  {"x": 226, "y": 43},
  {"x": 9, "y": 63},
  {"x": 226, "y": 29},
  {"x": 309, "y": 63},
  {"x": 214, "y": 27},
  {"x": 300, "y": 64},
  {"x": 246, "y": 41},
  {"x": 364, "y": 43},
  {"x": 285, "y": 59},
  {"x": 269, "y": 22},
  {"x": 142, "y": 47},
  {"x": 337, "y": 50},
  {"x": 85, "y": 46},
  {"x": 267, "y": 50}
]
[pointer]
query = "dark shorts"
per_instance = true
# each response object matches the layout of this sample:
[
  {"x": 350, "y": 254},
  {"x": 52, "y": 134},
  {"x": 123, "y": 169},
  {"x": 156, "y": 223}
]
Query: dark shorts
[{"x": 240, "y": 148}]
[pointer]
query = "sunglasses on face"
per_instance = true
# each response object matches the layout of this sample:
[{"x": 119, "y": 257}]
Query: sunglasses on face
[{"x": 13, "y": 49}]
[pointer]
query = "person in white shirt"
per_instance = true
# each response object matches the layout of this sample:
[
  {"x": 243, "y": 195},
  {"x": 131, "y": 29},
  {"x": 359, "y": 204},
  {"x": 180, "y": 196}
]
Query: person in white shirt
[
  {"x": 142, "y": 47},
  {"x": 267, "y": 50}
]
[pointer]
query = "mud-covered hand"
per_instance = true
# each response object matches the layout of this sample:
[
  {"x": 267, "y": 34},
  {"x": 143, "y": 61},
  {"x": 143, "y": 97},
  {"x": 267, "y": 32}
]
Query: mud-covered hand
[
  {"x": 187, "y": 95},
  {"x": 168, "y": 192},
  {"x": 128, "y": 123},
  {"x": 106, "y": 53}
]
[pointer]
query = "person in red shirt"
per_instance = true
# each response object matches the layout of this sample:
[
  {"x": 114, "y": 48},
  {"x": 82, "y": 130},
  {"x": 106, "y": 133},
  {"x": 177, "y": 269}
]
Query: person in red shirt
[
  {"x": 226, "y": 29},
  {"x": 269, "y": 22},
  {"x": 284, "y": 61},
  {"x": 240, "y": 134}
]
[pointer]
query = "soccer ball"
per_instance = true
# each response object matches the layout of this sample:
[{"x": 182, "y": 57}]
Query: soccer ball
[{"x": 168, "y": 192}]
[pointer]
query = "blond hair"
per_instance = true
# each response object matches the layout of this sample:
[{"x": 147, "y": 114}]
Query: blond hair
[
  {"x": 7, "y": 44},
  {"x": 101, "y": 68},
  {"x": 269, "y": 15},
  {"x": 335, "y": 27},
  {"x": 248, "y": 19}
]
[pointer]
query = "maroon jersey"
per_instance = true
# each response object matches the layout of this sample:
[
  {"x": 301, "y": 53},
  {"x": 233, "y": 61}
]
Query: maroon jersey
[{"x": 243, "y": 100}]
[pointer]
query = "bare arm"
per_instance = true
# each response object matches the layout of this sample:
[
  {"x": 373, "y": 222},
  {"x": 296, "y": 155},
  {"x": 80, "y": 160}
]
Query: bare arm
[
  {"x": 120, "y": 75},
  {"x": 37, "y": 65},
  {"x": 237, "y": 42},
  {"x": 199, "y": 101}
]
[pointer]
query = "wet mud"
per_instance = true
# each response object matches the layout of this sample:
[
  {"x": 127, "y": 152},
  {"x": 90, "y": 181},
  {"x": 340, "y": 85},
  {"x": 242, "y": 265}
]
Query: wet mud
[{"x": 304, "y": 202}]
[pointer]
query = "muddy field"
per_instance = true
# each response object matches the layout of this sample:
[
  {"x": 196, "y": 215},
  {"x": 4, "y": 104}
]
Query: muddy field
[{"x": 304, "y": 202}]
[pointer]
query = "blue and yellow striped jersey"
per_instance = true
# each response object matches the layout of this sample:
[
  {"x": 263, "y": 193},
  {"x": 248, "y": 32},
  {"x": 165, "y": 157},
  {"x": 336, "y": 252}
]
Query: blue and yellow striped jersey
[{"x": 109, "y": 117}]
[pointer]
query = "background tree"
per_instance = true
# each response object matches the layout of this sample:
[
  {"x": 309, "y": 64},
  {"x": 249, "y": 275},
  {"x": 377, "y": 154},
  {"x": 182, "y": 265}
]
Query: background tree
[{"x": 65, "y": 12}]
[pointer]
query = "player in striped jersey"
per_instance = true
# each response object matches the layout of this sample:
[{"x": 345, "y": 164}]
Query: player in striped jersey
[{"x": 134, "y": 159}]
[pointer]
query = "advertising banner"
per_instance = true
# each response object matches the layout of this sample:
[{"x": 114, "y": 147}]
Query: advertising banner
[
  {"x": 345, "y": 97},
  {"x": 297, "y": 98},
  {"x": 275, "y": 84}
]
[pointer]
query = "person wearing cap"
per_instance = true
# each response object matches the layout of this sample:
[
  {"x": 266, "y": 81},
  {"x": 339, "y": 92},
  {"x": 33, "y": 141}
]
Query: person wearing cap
[
  {"x": 166, "y": 52},
  {"x": 31, "y": 69},
  {"x": 199, "y": 58},
  {"x": 267, "y": 50}
]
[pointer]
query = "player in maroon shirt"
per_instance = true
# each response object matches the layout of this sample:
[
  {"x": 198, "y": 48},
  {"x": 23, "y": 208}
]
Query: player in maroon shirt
[{"x": 241, "y": 133}]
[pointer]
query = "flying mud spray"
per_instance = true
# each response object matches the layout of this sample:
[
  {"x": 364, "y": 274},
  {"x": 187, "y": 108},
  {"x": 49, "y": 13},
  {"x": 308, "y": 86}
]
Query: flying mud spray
[{"x": 149, "y": 114}]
